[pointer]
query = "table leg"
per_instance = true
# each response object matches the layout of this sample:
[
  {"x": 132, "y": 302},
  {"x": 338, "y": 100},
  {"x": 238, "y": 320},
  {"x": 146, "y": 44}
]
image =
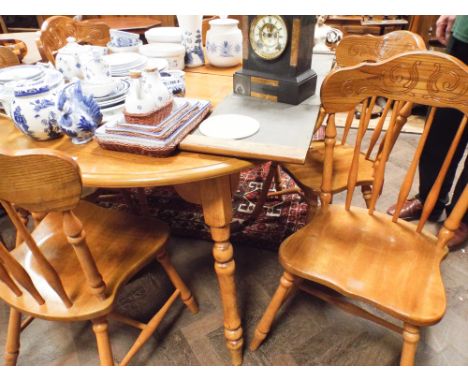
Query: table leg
[{"x": 217, "y": 210}]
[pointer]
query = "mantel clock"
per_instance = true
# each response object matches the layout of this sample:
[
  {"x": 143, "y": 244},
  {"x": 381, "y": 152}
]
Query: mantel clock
[{"x": 277, "y": 58}]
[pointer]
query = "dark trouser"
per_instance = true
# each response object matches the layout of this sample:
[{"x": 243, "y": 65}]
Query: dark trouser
[{"x": 441, "y": 135}]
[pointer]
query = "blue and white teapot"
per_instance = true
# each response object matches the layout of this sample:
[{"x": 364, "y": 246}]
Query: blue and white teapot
[{"x": 78, "y": 115}]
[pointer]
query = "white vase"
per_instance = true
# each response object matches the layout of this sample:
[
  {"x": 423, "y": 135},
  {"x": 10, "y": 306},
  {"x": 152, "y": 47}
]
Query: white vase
[
  {"x": 192, "y": 39},
  {"x": 224, "y": 43}
]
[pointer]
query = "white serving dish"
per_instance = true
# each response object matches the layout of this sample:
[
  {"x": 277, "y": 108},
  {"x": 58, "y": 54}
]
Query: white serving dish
[
  {"x": 99, "y": 89},
  {"x": 164, "y": 34},
  {"x": 229, "y": 126},
  {"x": 173, "y": 53}
]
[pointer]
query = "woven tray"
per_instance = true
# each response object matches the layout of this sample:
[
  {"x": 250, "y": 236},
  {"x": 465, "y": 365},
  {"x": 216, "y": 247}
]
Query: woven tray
[{"x": 140, "y": 143}]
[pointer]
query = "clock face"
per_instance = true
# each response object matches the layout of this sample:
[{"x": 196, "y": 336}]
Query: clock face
[{"x": 268, "y": 36}]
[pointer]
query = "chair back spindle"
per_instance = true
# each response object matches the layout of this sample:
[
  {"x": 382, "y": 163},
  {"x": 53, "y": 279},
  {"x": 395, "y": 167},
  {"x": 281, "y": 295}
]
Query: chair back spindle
[
  {"x": 452, "y": 222},
  {"x": 435, "y": 189},
  {"x": 353, "y": 172}
]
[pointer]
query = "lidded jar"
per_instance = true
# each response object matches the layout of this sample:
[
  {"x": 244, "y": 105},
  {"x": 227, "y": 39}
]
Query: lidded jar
[{"x": 224, "y": 43}]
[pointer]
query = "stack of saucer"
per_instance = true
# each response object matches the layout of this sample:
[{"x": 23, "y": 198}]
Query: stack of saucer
[
  {"x": 111, "y": 104},
  {"x": 122, "y": 63}
]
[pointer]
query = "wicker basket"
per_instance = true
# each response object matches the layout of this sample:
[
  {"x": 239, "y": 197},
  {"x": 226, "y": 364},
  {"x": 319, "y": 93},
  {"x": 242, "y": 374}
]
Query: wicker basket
[{"x": 152, "y": 118}]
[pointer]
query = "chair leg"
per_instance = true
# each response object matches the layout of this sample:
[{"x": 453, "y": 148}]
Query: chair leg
[
  {"x": 100, "y": 328},
  {"x": 410, "y": 344},
  {"x": 366, "y": 193},
  {"x": 277, "y": 177},
  {"x": 143, "y": 202},
  {"x": 264, "y": 326},
  {"x": 13, "y": 338},
  {"x": 185, "y": 293}
]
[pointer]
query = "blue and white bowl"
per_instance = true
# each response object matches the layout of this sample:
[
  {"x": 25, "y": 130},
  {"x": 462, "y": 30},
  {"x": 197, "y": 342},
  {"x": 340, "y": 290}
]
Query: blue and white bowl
[{"x": 123, "y": 39}]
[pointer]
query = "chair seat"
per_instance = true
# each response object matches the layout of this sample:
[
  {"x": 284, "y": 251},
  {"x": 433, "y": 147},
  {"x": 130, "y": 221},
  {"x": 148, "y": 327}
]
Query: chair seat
[
  {"x": 121, "y": 245},
  {"x": 309, "y": 174},
  {"x": 372, "y": 259}
]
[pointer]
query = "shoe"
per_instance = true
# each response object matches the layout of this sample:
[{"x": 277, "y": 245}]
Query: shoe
[
  {"x": 412, "y": 210},
  {"x": 460, "y": 237}
]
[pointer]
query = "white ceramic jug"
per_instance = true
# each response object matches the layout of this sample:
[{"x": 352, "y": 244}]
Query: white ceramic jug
[
  {"x": 139, "y": 99},
  {"x": 153, "y": 82}
]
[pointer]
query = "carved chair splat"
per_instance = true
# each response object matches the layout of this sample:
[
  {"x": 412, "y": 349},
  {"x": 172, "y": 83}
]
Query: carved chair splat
[
  {"x": 364, "y": 254},
  {"x": 53, "y": 274}
]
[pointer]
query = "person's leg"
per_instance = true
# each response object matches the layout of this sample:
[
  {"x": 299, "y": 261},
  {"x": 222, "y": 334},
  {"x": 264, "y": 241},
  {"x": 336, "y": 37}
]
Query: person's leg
[{"x": 443, "y": 130}]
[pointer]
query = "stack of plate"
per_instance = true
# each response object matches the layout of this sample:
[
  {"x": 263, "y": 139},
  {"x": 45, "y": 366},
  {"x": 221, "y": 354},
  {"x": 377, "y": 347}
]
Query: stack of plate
[
  {"x": 113, "y": 104},
  {"x": 21, "y": 72},
  {"x": 121, "y": 63}
]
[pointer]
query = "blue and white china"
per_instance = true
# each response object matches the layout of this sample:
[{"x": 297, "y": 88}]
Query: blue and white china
[
  {"x": 69, "y": 59},
  {"x": 160, "y": 93},
  {"x": 123, "y": 49},
  {"x": 139, "y": 99},
  {"x": 123, "y": 39},
  {"x": 192, "y": 39},
  {"x": 174, "y": 81},
  {"x": 78, "y": 115},
  {"x": 224, "y": 43},
  {"x": 33, "y": 107},
  {"x": 174, "y": 54},
  {"x": 97, "y": 76}
]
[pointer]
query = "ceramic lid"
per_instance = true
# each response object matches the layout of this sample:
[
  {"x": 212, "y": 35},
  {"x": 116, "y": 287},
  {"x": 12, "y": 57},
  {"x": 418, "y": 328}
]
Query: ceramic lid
[
  {"x": 162, "y": 49},
  {"x": 72, "y": 47},
  {"x": 26, "y": 88},
  {"x": 164, "y": 31},
  {"x": 224, "y": 22}
]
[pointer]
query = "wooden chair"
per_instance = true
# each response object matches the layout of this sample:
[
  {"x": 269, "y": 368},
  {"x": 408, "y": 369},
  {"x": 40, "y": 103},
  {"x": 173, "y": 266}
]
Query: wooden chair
[
  {"x": 364, "y": 254},
  {"x": 56, "y": 29},
  {"x": 61, "y": 273},
  {"x": 7, "y": 57},
  {"x": 353, "y": 50}
]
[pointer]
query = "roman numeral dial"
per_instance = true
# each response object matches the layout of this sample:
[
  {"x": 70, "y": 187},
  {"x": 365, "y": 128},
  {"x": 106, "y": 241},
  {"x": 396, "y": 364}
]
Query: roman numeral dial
[{"x": 268, "y": 36}]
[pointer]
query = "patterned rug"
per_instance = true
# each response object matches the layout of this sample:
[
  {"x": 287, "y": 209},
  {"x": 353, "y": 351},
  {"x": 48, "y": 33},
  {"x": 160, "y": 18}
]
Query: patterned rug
[{"x": 281, "y": 216}]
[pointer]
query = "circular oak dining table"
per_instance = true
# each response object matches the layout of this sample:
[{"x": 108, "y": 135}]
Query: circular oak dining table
[{"x": 208, "y": 180}]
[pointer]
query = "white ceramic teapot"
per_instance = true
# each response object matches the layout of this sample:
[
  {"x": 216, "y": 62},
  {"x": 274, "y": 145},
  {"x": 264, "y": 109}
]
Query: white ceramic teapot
[{"x": 69, "y": 59}]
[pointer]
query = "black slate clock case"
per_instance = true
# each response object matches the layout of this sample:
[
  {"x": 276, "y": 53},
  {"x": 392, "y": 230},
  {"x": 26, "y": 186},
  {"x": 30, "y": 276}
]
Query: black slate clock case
[{"x": 287, "y": 78}]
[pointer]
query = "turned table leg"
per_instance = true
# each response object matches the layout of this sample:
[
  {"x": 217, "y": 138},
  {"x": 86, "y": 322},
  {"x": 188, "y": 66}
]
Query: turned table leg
[{"x": 217, "y": 210}]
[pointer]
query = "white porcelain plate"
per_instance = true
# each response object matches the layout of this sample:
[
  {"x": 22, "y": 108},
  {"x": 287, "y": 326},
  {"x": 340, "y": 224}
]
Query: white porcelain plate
[
  {"x": 117, "y": 60},
  {"x": 21, "y": 72},
  {"x": 229, "y": 126}
]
